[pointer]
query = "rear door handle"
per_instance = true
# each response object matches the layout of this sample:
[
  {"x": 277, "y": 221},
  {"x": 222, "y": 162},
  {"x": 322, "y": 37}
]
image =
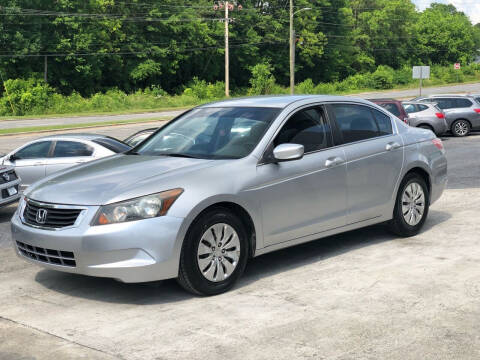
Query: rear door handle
[
  {"x": 333, "y": 161},
  {"x": 392, "y": 146}
]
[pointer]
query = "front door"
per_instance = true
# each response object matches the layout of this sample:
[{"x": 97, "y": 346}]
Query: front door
[
  {"x": 29, "y": 162},
  {"x": 305, "y": 196}
]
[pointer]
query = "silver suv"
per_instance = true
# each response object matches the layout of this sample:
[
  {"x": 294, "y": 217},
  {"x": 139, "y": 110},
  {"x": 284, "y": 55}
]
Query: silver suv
[
  {"x": 426, "y": 116},
  {"x": 462, "y": 112},
  {"x": 9, "y": 183}
]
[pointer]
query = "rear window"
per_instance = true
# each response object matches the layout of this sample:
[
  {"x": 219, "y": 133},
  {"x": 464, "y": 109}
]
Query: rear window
[{"x": 112, "y": 144}]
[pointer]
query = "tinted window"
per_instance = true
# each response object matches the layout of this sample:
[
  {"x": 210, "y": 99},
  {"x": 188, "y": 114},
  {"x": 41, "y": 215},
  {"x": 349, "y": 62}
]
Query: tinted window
[
  {"x": 384, "y": 123},
  {"x": 211, "y": 133},
  {"x": 355, "y": 122},
  {"x": 445, "y": 103},
  {"x": 391, "y": 108},
  {"x": 422, "y": 107},
  {"x": 34, "y": 151},
  {"x": 463, "y": 103},
  {"x": 71, "y": 149},
  {"x": 478, "y": 99},
  {"x": 308, "y": 128},
  {"x": 112, "y": 144},
  {"x": 410, "y": 108}
]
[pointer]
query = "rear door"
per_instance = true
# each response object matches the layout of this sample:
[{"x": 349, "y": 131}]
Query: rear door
[
  {"x": 66, "y": 154},
  {"x": 374, "y": 154}
]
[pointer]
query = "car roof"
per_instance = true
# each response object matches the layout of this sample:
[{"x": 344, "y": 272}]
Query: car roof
[
  {"x": 281, "y": 101},
  {"x": 417, "y": 103},
  {"x": 80, "y": 136},
  {"x": 449, "y": 95},
  {"x": 385, "y": 99}
]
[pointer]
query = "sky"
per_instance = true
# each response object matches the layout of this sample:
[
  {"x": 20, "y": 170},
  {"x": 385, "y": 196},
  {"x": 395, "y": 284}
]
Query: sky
[{"x": 469, "y": 7}]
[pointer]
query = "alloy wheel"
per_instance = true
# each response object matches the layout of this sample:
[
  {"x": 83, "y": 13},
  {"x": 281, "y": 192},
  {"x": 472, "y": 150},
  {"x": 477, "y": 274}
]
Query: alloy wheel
[
  {"x": 413, "y": 203},
  {"x": 218, "y": 252},
  {"x": 461, "y": 128}
]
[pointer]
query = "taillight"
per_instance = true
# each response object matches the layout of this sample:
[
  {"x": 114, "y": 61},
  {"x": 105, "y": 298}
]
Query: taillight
[
  {"x": 440, "y": 115},
  {"x": 477, "y": 111},
  {"x": 438, "y": 143}
]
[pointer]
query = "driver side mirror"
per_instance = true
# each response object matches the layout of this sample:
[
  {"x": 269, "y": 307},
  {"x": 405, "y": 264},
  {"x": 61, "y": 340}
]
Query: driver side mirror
[
  {"x": 12, "y": 158},
  {"x": 288, "y": 152}
]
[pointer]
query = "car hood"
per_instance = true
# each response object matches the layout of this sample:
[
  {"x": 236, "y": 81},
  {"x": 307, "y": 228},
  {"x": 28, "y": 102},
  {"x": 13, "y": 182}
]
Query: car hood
[{"x": 113, "y": 179}]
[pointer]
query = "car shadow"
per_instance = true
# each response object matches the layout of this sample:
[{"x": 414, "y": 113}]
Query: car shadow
[
  {"x": 6, "y": 213},
  {"x": 161, "y": 292}
]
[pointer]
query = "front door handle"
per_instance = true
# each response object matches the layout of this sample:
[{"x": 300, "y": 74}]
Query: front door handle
[
  {"x": 333, "y": 161},
  {"x": 392, "y": 146}
]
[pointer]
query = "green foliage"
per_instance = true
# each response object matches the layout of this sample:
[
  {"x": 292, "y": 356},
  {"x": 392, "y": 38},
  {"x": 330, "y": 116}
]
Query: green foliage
[
  {"x": 26, "y": 96},
  {"x": 383, "y": 77},
  {"x": 306, "y": 87},
  {"x": 203, "y": 90},
  {"x": 262, "y": 81}
]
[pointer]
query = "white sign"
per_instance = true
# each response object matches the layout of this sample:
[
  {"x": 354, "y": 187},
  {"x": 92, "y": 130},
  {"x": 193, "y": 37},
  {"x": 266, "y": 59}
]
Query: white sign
[
  {"x": 457, "y": 66},
  {"x": 421, "y": 72}
]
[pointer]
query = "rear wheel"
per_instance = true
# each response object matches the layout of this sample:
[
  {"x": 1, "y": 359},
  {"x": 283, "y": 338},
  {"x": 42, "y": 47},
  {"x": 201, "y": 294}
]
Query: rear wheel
[
  {"x": 214, "y": 253},
  {"x": 461, "y": 128},
  {"x": 411, "y": 207}
]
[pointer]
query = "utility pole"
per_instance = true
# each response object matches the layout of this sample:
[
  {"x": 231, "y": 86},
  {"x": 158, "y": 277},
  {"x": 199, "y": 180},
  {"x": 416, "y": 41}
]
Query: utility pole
[
  {"x": 45, "y": 69},
  {"x": 229, "y": 5},
  {"x": 292, "y": 52},
  {"x": 227, "y": 57}
]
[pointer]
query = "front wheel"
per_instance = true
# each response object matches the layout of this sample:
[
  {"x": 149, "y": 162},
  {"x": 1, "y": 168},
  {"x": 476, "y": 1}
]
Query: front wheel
[
  {"x": 411, "y": 207},
  {"x": 214, "y": 253},
  {"x": 461, "y": 128}
]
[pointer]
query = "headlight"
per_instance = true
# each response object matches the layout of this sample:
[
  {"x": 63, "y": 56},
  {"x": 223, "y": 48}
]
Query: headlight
[{"x": 144, "y": 207}]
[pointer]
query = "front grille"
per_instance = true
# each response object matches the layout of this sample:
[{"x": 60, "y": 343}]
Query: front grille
[
  {"x": 56, "y": 218},
  {"x": 49, "y": 256},
  {"x": 12, "y": 177},
  {"x": 5, "y": 193}
]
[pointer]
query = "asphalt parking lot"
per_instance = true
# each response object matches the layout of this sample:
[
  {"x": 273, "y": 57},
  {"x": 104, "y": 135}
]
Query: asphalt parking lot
[{"x": 361, "y": 295}]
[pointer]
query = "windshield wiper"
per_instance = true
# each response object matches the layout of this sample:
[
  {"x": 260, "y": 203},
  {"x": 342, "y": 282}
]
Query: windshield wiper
[{"x": 179, "y": 155}]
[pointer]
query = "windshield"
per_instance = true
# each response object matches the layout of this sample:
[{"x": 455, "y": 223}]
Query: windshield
[{"x": 211, "y": 133}]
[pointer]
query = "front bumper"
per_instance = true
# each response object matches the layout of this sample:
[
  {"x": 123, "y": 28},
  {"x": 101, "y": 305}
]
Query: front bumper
[{"x": 137, "y": 251}]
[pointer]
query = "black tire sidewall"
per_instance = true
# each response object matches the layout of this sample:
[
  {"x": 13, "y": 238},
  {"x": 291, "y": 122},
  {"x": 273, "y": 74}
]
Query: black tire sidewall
[
  {"x": 188, "y": 261},
  {"x": 453, "y": 128},
  {"x": 405, "y": 228}
]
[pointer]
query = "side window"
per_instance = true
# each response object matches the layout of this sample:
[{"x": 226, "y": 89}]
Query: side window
[
  {"x": 463, "y": 103},
  {"x": 384, "y": 123},
  {"x": 355, "y": 122},
  {"x": 71, "y": 149},
  {"x": 392, "y": 108},
  {"x": 444, "y": 103},
  {"x": 34, "y": 151},
  {"x": 308, "y": 128},
  {"x": 410, "y": 108},
  {"x": 422, "y": 107}
]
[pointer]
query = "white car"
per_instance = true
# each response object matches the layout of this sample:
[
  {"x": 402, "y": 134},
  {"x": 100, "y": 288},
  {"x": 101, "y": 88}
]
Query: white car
[{"x": 42, "y": 157}]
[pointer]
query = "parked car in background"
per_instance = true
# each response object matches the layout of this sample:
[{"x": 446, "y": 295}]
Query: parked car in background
[
  {"x": 9, "y": 183},
  {"x": 42, "y": 157},
  {"x": 393, "y": 106},
  {"x": 462, "y": 112},
  {"x": 426, "y": 116},
  {"x": 138, "y": 137},
  {"x": 228, "y": 181}
]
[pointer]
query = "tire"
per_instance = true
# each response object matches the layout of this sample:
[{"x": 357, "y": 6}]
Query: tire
[
  {"x": 194, "y": 250},
  {"x": 399, "y": 224},
  {"x": 460, "y": 128}
]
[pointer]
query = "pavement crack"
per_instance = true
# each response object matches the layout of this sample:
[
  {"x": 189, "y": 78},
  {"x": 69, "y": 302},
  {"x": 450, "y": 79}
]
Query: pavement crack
[{"x": 62, "y": 338}]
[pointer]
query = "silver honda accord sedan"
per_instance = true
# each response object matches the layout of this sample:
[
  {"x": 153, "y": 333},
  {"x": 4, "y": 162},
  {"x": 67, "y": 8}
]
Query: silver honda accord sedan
[{"x": 228, "y": 181}]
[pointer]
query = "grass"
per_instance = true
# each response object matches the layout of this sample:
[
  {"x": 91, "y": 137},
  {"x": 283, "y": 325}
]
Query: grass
[{"x": 35, "y": 129}]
